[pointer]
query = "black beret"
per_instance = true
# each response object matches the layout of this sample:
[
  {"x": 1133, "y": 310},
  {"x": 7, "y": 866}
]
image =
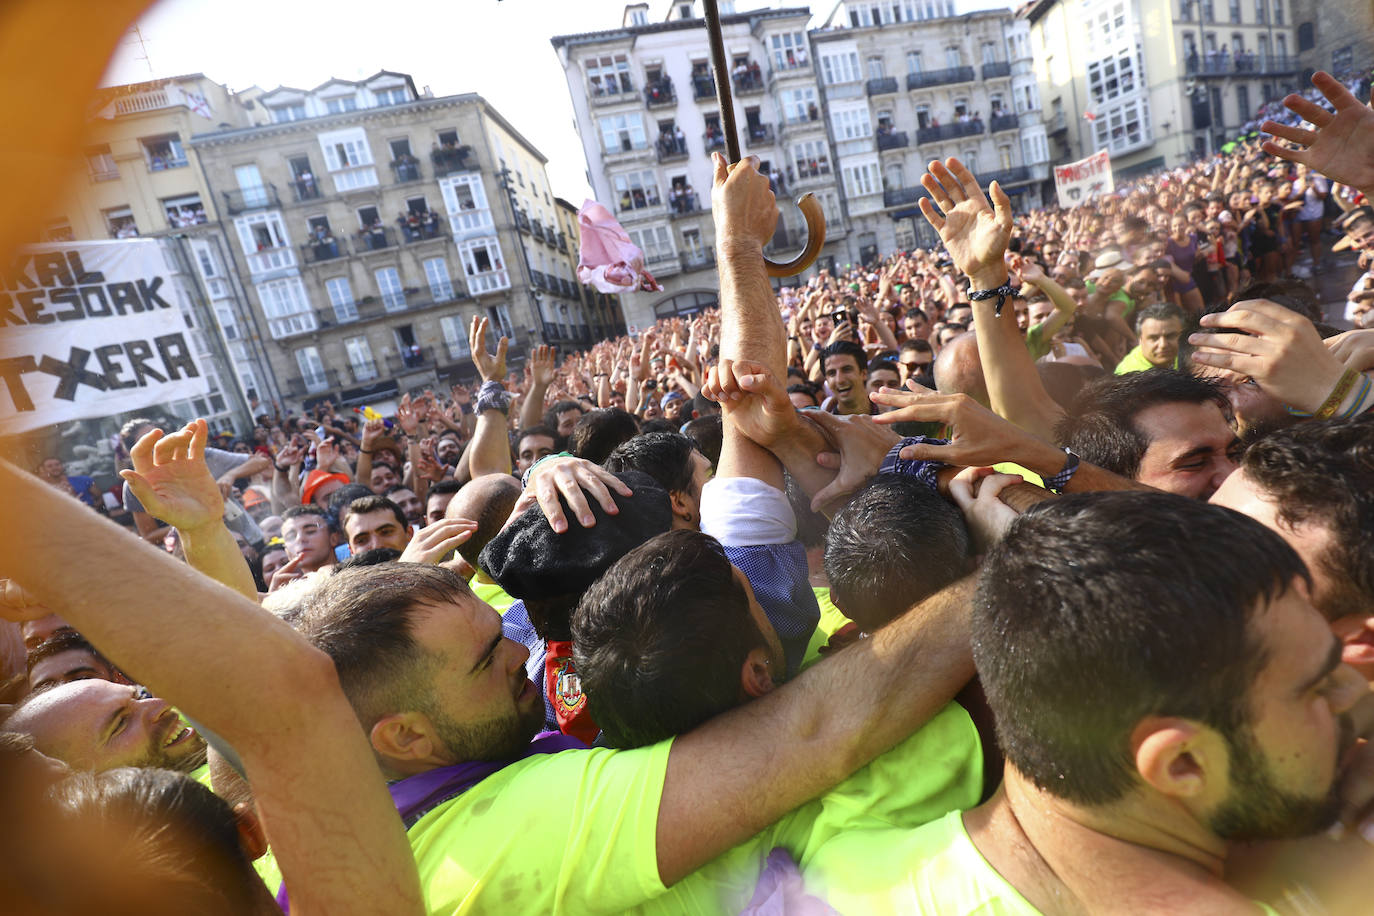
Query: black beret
[{"x": 534, "y": 563}]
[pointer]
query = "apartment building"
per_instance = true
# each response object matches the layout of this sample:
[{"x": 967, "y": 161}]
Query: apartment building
[
  {"x": 1335, "y": 35},
  {"x": 906, "y": 82},
  {"x": 646, "y": 109},
  {"x": 138, "y": 178},
  {"x": 1158, "y": 82},
  {"x": 370, "y": 222}
]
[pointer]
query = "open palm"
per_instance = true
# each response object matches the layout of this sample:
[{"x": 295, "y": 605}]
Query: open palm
[
  {"x": 172, "y": 481},
  {"x": 1341, "y": 147},
  {"x": 975, "y": 232}
]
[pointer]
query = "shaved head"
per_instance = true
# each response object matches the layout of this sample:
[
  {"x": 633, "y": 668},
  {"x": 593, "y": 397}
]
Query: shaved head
[{"x": 488, "y": 501}]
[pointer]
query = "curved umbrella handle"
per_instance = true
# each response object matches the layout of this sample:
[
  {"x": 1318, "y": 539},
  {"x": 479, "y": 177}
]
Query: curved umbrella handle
[{"x": 815, "y": 238}]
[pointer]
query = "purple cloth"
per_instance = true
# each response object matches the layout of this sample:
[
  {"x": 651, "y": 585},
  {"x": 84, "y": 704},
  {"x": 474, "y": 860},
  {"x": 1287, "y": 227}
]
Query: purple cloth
[
  {"x": 415, "y": 796},
  {"x": 608, "y": 260},
  {"x": 780, "y": 891}
]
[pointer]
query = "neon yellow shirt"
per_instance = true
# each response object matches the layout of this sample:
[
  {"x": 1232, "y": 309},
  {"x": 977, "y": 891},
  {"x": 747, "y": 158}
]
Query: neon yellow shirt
[
  {"x": 832, "y": 620},
  {"x": 934, "y": 869},
  {"x": 266, "y": 864},
  {"x": 1135, "y": 361},
  {"x": 574, "y": 832},
  {"x": 483, "y": 587}
]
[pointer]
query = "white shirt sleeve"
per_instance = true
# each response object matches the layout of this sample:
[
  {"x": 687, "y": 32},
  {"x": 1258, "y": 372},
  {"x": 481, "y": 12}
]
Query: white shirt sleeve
[{"x": 746, "y": 512}]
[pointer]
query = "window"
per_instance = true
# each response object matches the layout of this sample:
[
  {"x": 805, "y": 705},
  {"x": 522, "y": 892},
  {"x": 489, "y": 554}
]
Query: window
[
  {"x": 655, "y": 241},
  {"x": 484, "y": 266},
  {"x": 953, "y": 58},
  {"x": 500, "y": 318},
  {"x": 313, "y": 375},
  {"x": 609, "y": 74},
  {"x": 396, "y": 96},
  {"x": 913, "y": 62},
  {"x": 1278, "y": 12},
  {"x": 1123, "y": 127},
  {"x": 1281, "y": 46},
  {"x": 1243, "y": 108},
  {"x": 840, "y": 68},
  {"x": 622, "y": 133},
  {"x": 989, "y": 52},
  {"x": 341, "y": 104},
  {"x": 799, "y": 105},
  {"x": 265, "y": 244},
  {"x": 360, "y": 358},
  {"x": 789, "y": 51},
  {"x": 861, "y": 179},
  {"x": 348, "y": 158},
  {"x": 1261, "y": 12},
  {"x": 639, "y": 17},
  {"x": 851, "y": 124},
  {"x": 184, "y": 211},
  {"x": 875, "y": 68},
  {"x": 1113, "y": 77},
  {"x": 440, "y": 284},
  {"x": 1235, "y": 10},
  {"x": 636, "y": 190},
  {"x": 1004, "y": 157},
  {"x": 455, "y": 337},
  {"x": 164, "y": 152},
  {"x": 292, "y": 111},
  {"x": 119, "y": 222},
  {"x": 341, "y": 297},
  {"x": 286, "y": 307},
  {"x": 389, "y": 285},
  {"x": 101, "y": 164}
]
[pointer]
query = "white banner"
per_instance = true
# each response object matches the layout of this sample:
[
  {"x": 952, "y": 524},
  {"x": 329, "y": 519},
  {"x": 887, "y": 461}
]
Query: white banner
[
  {"x": 91, "y": 329},
  {"x": 1083, "y": 180}
]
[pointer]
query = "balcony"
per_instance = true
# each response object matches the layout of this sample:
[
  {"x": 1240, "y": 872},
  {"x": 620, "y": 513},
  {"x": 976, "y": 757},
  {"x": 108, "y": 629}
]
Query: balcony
[
  {"x": 698, "y": 260},
  {"x": 927, "y": 78},
  {"x": 1003, "y": 122},
  {"x": 892, "y": 140},
  {"x": 815, "y": 168},
  {"x": 713, "y": 140},
  {"x": 328, "y": 250},
  {"x": 537, "y": 229},
  {"x": 405, "y": 169},
  {"x": 562, "y": 243},
  {"x": 996, "y": 69},
  {"x": 612, "y": 92},
  {"x": 949, "y": 131},
  {"x": 898, "y": 197},
  {"x": 161, "y": 163},
  {"x": 408, "y": 360},
  {"x": 1058, "y": 124},
  {"x": 450, "y": 159},
  {"x": 302, "y": 385},
  {"x": 362, "y": 372},
  {"x": 1006, "y": 177},
  {"x": 1242, "y": 62},
  {"x": 245, "y": 199},
  {"x": 627, "y": 145},
  {"x": 488, "y": 281},
  {"x": 303, "y": 189},
  {"x": 758, "y": 135},
  {"x": 750, "y": 83},
  {"x": 884, "y": 85},
  {"x": 375, "y": 238},
  {"x": 793, "y": 120},
  {"x": 671, "y": 149},
  {"x": 683, "y": 203},
  {"x": 660, "y": 94},
  {"x": 522, "y": 220},
  {"x": 422, "y": 229},
  {"x": 703, "y": 87}
]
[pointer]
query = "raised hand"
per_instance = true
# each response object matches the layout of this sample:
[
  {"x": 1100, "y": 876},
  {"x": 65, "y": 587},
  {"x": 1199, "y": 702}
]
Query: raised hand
[
  {"x": 171, "y": 479},
  {"x": 326, "y": 453},
  {"x": 975, "y": 232},
  {"x": 406, "y": 415},
  {"x": 372, "y": 431},
  {"x": 541, "y": 365},
  {"x": 489, "y": 365},
  {"x": 428, "y": 466},
  {"x": 1341, "y": 147},
  {"x": 744, "y": 208},
  {"x": 862, "y": 447},
  {"x": 432, "y": 543},
  {"x": 753, "y": 398}
]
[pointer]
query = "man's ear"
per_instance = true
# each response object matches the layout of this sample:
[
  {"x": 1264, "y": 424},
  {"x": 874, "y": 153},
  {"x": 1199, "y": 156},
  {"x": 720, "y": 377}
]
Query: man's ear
[
  {"x": 252, "y": 837},
  {"x": 1180, "y": 759},
  {"x": 756, "y": 675},
  {"x": 404, "y": 736},
  {"x": 681, "y": 507}
]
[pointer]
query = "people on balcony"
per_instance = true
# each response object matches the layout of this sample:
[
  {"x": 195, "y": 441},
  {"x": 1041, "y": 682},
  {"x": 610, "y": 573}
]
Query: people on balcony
[
  {"x": 661, "y": 90},
  {"x": 672, "y": 142},
  {"x": 682, "y": 198},
  {"x": 323, "y": 245}
]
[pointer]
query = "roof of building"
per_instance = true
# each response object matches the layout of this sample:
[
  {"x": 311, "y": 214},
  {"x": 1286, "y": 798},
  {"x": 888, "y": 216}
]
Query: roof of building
[
  {"x": 334, "y": 80},
  {"x": 677, "y": 25}
]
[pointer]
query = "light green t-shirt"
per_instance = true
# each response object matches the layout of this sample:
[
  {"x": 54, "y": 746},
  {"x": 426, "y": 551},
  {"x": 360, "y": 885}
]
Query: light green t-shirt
[
  {"x": 266, "y": 864},
  {"x": 832, "y": 620},
  {"x": 1036, "y": 342},
  {"x": 1135, "y": 361},
  {"x": 491, "y": 593},
  {"x": 933, "y": 870},
  {"x": 574, "y": 832}
]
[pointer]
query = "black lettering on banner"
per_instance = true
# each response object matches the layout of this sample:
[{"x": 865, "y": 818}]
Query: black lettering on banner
[
  {"x": 112, "y": 369},
  {"x": 51, "y": 269},
  {"x": 15, "y": 276},
  {"x": 148, "y": 291},
  {"x": 176, "y": 355},
  {"x": 125, "y": 296},
  {"x": 103, "y": 311},
  {"x": 84, "y": 277},
  {"x": 31, "y": 301},
  {"x": 71, "y": 374},
  {"x": 69, "y": 297},
  {"x": 7, "y": 316},
  {"x": 139, "y": 352},
  {"x": 12, "y": 371}
]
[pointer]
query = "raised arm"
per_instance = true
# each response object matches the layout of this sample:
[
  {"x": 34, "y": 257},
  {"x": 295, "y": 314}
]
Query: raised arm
[
  {"x": 244, "y": 673},
  {"x": 1341, "y": 147},
  {"x": 542, "y": 374},
  {"x": 1064, "y": 304},
  {"x": 489, "y": 452},
  {"x": 976, "y": 235}
]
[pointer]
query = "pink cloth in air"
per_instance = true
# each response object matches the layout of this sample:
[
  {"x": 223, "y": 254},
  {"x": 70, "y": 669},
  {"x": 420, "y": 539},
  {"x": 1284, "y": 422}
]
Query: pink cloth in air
[{"x": 608, "y": 260}]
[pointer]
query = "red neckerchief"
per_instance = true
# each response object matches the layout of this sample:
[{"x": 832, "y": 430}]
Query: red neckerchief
[{"x": 564, "y": 689}]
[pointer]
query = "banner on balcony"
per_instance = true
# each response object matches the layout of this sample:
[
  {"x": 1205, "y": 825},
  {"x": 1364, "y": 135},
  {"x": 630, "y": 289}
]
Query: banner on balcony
[
  {"x": 91, "y": 329},
  {"x": 1083, "y": 180}
]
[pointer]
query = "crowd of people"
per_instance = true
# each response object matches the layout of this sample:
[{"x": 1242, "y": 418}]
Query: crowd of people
[{"x": 1030, "y": 574}]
